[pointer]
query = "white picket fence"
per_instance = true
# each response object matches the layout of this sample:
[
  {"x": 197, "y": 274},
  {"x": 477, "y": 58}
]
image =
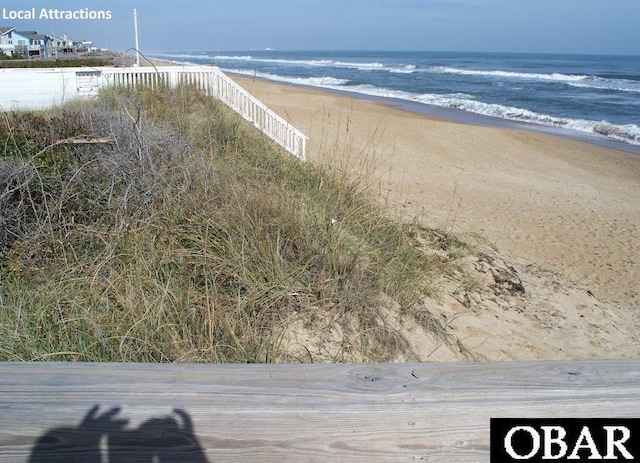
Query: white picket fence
[{"x": 40, "y": 88}]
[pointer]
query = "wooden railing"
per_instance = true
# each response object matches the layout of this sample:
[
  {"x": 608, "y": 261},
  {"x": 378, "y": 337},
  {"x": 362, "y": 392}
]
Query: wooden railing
[
  {"x": 214, "y": 82},
  {"x": 70, "y": 412},
  {"x": 41, "y": 88},
  {"x": 249, "y": 107}
]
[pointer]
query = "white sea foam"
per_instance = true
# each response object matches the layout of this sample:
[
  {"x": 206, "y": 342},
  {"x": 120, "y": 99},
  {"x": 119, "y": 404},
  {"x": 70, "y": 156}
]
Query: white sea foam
[
  {"x": 178, "y": 56},
  {"x": 346, "y": 64},
  {"x": 326, "y": 82},
  {"x": 232, "y": 58},
  {"x": 360, "y": 66},
  {"x": 556, "y": 77},
  {"x": 609, "y": 84},
  {"x": 408, "y": 69},
  {"x": 583, "y": 81}
]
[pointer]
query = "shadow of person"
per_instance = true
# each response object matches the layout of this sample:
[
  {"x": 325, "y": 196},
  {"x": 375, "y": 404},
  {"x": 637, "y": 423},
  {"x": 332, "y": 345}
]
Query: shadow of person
[{"x": 158, "y": 440}]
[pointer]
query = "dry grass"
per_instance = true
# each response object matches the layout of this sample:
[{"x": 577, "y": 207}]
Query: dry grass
[{"x": 188, "y": 237}]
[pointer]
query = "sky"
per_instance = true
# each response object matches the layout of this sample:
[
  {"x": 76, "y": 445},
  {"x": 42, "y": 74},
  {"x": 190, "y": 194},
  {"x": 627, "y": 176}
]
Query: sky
[{"x": 535, "y": 26}]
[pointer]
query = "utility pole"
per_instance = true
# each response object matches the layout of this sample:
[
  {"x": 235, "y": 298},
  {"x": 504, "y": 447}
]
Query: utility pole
[{"x": 135, "y": 25}]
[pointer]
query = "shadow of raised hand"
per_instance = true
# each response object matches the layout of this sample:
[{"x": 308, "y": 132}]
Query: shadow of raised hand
[{"x": 79, "y": 444}]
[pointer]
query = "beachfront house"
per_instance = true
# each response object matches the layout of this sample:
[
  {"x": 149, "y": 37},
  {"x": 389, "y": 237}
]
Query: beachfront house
[
  {"x": 85, "y": 46},
  {"x": 59, "y": 45},
  {"x": 6, "y": 40},
  {"x": 30, "y": 43}
]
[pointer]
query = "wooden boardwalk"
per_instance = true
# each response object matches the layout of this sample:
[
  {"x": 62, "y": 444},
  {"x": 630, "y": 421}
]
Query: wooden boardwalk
[{"x": 71, "y": 412}]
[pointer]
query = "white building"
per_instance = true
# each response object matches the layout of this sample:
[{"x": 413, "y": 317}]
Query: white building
[
  {"x": 6, "y": 40},
  {"x": 59, "y": 45}
]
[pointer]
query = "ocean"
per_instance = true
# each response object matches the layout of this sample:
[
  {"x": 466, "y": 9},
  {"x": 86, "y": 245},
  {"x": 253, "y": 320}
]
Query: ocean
[{"x": 592, "y": 97}]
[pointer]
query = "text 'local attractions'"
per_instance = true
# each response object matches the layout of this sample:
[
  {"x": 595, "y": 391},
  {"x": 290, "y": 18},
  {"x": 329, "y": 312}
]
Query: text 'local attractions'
[{"x": 51, "y": 13}]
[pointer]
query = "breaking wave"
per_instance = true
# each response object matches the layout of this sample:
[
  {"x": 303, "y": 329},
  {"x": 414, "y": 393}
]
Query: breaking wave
[
  {"x": 585, "y": 81},
  {"x": 358, "y": 65}
]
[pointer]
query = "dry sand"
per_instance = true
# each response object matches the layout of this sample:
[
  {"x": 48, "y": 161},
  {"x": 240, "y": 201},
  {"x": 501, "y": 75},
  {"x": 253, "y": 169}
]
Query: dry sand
[
  {"x": 566, "y": 205},
  {"x": 563, "y": 214}
]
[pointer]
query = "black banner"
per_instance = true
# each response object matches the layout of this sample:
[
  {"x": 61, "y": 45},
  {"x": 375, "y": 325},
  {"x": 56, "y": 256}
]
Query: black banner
[{"x": 565, "y": 439}]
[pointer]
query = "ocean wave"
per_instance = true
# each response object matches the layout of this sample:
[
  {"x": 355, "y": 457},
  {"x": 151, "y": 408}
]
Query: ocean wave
[
  {"x": 611, "y": 85},
  {"x": 325, "y": 82},
  {"x": 178, "y": 56},
  {"x": 518, "y": 75},
  {"x": 629, "y": 133},
  {"x": 408, "y": 69},
  {"x": 358, "y": 65},
  {"x": 583, "y": 81},
  {"x": 290, "y": 62},
  {"x": 346, "y": 64}
]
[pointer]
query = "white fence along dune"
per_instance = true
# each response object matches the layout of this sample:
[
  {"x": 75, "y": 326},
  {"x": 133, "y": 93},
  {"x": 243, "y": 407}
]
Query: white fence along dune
[{"x": 41, "y": 88}]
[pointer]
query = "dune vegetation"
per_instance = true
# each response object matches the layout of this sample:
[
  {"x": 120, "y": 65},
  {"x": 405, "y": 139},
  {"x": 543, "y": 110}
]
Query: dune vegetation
[{"x": 160, "y": 227}]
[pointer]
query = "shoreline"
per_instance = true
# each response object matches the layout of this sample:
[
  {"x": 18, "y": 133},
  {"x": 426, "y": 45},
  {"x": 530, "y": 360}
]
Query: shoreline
[
  {"x": 452, "y": 114},
  {"x": 466, "y": 117}
]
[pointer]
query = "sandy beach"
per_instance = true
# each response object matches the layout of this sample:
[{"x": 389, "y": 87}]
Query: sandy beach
[
  {"x": 553, "y": 206},
  {"x": 565, "y": 205}
]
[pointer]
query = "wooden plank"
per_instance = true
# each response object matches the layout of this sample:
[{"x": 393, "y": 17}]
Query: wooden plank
[{"x": 282, "y": 413}]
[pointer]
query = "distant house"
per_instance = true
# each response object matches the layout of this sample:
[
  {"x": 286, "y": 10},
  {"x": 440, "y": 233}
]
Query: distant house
[
  {"x": 6, "y": 40},
  {"x": 59, "y": 45},
  {"x": 85, "y": 46},
  {"x": 30, "y": 43}
]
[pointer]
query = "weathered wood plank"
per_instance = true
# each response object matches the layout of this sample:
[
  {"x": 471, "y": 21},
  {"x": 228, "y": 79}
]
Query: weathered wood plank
[{"x": 281, "y": 413}]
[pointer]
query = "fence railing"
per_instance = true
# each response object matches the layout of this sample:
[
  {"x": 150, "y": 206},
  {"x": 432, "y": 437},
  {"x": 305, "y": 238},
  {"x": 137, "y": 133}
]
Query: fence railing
[
  {"x": 41, "y": 88},
  {"x": 214, "y": 82}
]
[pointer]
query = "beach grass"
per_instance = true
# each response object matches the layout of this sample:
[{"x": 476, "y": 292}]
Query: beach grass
[
  {"x": 160, "y": 227},
  {"x": 98, "y": 59}
]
